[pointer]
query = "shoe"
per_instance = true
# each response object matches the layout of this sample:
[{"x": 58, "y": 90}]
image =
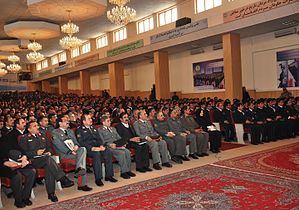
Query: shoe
[
  {"x": 148, "y": 169},
  {"x": 65, "y": 182},
  {"x": 39, "y": 182},
  {"x": 20, "y": 205},
  {"x": 99, "y": 183},
  {"x": 110, "y": 179},
  {"x": 131, "y": 174},
  {"x": 168, "y": 165},
  {"x": 177, "y": 160},
  {"x": 185, "y": 158},
  {"x": 52, "y": 197},
  {"x": 193, "y": 156},
  {"x": 205, "y": 154},
  {"x": 125, "y": 176},
  {"x": 27, "y": 202},
  {"x": 199, "y": 155},
  {"x": 85, "y": 188},
  {"x": 88, "y": 170},
  {"x": 80, "y": 172},
  {"x": 157, "y": 166},
  {"x": 141, "y": 170}
]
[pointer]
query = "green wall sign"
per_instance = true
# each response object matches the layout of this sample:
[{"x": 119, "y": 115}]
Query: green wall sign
[{"x": 125, "y": 48}]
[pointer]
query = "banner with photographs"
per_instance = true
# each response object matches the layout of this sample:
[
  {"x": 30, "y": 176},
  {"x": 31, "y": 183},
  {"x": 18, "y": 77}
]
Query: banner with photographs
[
  {"x": 288, "y": 68},
  {"x": 208, "y": 75}
]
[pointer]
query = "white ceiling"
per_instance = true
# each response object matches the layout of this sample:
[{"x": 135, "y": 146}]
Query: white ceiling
[{"x": 16, "y": 10}]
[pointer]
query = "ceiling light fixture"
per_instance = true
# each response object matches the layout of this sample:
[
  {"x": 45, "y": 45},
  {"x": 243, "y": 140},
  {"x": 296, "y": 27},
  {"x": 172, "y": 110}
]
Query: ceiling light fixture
[
  {"x": 34, "y": 57},
  {"x": 121, "y": 14},
  {"x": 70, "y": 41},
  {"x": 2, "y": 65},
  {"x": 14, "y": 67},
  {"x": 3, "y": 72}
]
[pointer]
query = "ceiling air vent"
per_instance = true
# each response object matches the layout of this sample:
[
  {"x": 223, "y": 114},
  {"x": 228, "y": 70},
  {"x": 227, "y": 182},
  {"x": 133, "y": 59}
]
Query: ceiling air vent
[{"x": 285, "y": 32}]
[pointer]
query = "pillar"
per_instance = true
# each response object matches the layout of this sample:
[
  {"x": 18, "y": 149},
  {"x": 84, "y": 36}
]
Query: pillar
[
  {"x": 46, "y": 87},
  {"x": 162, "y": 75},
  {"x": 117, "y": 79},
  {"x": 34, "y": 86},
  {"x": 232, "y": 66},
  {"x": 62, "y": 85},
  {"x": 85, "y": 82}
]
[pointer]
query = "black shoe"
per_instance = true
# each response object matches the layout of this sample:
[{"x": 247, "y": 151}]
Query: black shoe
[
  {"x": 80, "y": 172},
  {"x": 199, "y": 155},
  {"x": 52, "y": 197},
  {"x": 99, "y": 183},
  {"x": 125, "y": 176},
  {"x": 193, "y": 156},
  {"x": 157, "y": 166},
  {"x": 177, "y": 160},
  {"x": 39, "y": 182},
  {"x": 65, "y": 182},
  {"x": 205, "y": 154},
  {"x": 88, "y": 170},
  {"x": 148, "y": 169},
  {"x": 168, "y": 165},
  {"x": 110, "y": 179},
  {"x": 141, "y": 170},
  {"x": 20, "y": 205},
  {"x": 27, "y": 202},
  {"x": 85, "y": 188},
  {"x": 185, "y": 158},
  {"x": 131, "y": 174}
]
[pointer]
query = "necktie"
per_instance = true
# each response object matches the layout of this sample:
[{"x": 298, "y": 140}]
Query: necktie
[{"x": 65, "y": 131}]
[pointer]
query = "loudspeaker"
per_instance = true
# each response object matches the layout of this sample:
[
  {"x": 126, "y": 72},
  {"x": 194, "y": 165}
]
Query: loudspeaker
[
  {"x": 62, "y": 63},
  {"x": 25, "y": 76},
  {"x": 182, "y": 21}
]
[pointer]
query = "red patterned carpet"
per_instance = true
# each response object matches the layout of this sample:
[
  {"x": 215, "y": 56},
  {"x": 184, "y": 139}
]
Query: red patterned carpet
[
  {"x": 231, "y": 145},
  {"x": 207, "y": 187},
  {"x": 282, "y": 162}
]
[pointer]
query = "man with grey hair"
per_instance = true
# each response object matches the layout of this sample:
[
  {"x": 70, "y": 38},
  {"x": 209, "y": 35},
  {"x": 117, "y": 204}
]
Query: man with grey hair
[
  {"x": 111, "y": 138},
  {"x": 158, "y": 146}
]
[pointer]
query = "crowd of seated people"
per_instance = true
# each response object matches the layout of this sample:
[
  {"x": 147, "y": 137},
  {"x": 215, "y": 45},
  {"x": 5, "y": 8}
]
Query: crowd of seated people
[{"x": 36, "y": 125}]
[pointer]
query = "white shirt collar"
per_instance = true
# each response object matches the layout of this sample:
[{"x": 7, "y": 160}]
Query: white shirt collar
[{"x": 125, "y": 124}]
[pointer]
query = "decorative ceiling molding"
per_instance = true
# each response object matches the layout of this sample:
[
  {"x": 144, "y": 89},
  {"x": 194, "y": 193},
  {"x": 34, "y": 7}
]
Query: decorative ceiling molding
[
  {"x": 32, "y": 30},
  {"x": 56, "y": 9},
  {"x": 10, "y": 45}
]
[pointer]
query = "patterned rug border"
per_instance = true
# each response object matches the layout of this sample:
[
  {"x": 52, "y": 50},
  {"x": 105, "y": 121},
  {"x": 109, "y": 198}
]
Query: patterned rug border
[
  {"x": 224, "y": 163},
  {"x": 179, "y": 176}
]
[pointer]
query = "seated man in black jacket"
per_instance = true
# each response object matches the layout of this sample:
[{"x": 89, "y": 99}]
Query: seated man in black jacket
[
  {"x": 129, "y": 137},
  {"x": 14, "y": 170},
  {"x": 89, "y": 138}
]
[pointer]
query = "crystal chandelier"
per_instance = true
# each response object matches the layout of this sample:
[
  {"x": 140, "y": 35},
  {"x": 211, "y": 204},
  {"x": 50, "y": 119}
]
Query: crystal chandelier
[
  {"x": 34, "y": 56},
  {"x": 2, "y": 65},
  {"x": 121, "y": 14},
  {"x": 3, "y": 72},
  {"x": 14, "y": 67},
  {"x": 70, "y": 41},
  {"x": 13, "y": 58}
]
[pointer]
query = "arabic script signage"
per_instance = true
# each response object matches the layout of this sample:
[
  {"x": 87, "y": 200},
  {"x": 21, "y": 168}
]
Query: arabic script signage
[
  {"x": 125, "y": 48},
  {"x": 180, "y": 31},
  {"x": 254, "y": 8}
]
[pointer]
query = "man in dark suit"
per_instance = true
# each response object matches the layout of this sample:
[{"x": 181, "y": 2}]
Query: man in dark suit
[
  {"x": 129, "y": 137},
  {"x": 15, "y": 171},
  {"x": 8, "y": 125},
  {"x": 89, "y": 138},
  {"x": 220, "y": 117},
  {"x": 37, "y": 150}
]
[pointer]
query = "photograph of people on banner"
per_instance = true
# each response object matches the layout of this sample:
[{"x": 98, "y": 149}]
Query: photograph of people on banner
[
  {"x": 288, "y": 68},
  {"x": 208, "y": 75}
]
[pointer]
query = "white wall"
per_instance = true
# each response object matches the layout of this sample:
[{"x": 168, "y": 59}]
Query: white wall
[{"x": 259, "y": 70}]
